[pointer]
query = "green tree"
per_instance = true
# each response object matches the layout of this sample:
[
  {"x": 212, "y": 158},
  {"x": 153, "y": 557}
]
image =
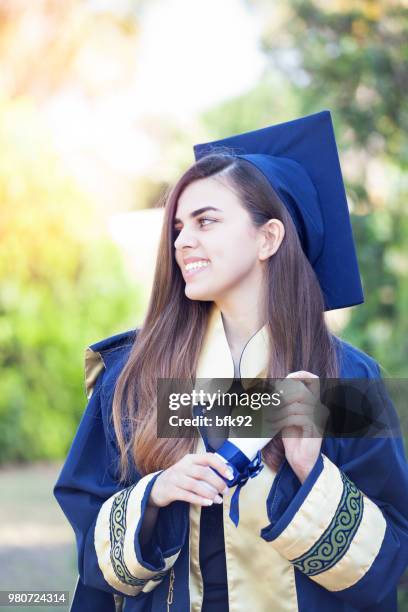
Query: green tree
[{"x": 62, "y": 287}]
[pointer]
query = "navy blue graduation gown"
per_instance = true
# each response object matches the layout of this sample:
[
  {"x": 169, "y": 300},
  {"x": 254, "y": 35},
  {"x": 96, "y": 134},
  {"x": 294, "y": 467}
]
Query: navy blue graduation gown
[{"x": 369, "y": 516}]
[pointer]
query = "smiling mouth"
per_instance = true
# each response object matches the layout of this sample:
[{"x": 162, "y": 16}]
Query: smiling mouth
[{"x": 195, "y": 267}]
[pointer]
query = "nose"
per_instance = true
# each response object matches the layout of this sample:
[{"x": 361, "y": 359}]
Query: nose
[{"x": 185, "y": 239}]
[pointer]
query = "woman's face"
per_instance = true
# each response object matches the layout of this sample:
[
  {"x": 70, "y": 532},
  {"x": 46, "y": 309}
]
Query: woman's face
[{"x": 217, "y": 245}]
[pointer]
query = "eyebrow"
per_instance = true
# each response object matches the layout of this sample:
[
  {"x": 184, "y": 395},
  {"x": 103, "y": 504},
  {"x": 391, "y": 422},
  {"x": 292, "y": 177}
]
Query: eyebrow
[{"x": 199, "y": 211}]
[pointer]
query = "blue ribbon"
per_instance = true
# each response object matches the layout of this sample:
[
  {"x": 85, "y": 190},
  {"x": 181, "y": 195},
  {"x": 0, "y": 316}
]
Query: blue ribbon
[{"x": 242, "y": 469}]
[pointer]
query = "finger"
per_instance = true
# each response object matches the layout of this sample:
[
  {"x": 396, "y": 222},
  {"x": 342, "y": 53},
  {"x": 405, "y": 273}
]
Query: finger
[
  {"x": 215, "y": 462},
  {"x": 301, "y": 394},
  {"x": 290, "y": 387},
  {"x": 201, "y": 488},
  {"x": 290, "y": 409},
  {"x": 317, "y": 412},
  {"x": 272, "y": 419},
  {"x": 192, "y": 498},
  {"x": 299, "y": 421},
  {"x": 298, "y": 387},
  {"x": 302, "y": 374},
  {"x": 310, "y": 380},
  {"x": 206, "y": 474}
]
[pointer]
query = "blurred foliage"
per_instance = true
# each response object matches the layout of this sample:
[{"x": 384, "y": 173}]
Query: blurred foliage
[
  {"x": 273, "y": 98},
  {"x": 47, "y": 46},
  {"x": 62, "y": 287},
  {"x": 63, "y": 284}
]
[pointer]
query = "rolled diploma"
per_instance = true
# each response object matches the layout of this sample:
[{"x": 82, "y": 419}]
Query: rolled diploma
[{"x": 248, "y": 446}]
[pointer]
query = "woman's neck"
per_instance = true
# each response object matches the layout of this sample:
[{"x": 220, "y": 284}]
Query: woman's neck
[{"x": 240, "y": 324}]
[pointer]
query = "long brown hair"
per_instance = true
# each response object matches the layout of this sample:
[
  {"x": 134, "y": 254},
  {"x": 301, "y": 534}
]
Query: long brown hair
[{"x": 169, "y": 343}]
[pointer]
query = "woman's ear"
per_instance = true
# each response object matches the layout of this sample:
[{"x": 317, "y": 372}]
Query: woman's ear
[{"x": 272, "y": 234}]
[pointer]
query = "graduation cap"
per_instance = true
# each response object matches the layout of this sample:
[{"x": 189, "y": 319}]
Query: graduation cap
[{"x": 300, "y": 160}]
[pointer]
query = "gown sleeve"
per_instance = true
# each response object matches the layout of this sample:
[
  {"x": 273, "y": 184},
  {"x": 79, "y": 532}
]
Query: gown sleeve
[
  {"x": 107, "y": 517},
  {"x": 346, "y": 526}
]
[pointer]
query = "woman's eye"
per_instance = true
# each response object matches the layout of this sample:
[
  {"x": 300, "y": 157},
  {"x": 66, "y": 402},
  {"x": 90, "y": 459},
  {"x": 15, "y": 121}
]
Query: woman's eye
[
  {"x": 205, "y": 220},
  {"x": 201, "y": 222}
]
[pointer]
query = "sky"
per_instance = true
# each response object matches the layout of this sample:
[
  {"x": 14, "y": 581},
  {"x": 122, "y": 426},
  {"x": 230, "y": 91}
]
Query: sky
[{"x": 193, "y": 55}]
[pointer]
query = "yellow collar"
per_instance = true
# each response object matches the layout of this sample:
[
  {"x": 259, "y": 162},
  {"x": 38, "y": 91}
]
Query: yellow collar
[{"x": 216, "y": 361}]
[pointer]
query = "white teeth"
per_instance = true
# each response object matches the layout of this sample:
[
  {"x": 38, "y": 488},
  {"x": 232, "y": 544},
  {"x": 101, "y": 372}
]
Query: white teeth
[{"x": 196, "y": 264}]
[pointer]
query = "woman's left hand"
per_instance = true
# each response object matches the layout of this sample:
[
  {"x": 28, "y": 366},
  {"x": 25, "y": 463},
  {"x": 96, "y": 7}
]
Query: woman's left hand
[{"x": 300, "y": 419}]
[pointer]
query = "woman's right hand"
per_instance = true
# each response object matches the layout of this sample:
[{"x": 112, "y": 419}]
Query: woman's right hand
[{"x": 192, "y": 480}]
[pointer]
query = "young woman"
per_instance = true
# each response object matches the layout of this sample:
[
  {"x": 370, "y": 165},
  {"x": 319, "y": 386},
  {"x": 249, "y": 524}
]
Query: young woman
[{"x": 256, "y": 245}]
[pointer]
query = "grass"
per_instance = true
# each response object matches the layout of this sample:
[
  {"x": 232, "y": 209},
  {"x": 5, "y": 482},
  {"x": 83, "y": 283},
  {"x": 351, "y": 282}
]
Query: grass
[{"x": 37, "y": 549}]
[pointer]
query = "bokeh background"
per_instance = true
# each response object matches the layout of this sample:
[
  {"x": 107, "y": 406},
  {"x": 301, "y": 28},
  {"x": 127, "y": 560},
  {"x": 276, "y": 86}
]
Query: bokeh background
[{"x": 100, "y": 104}]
